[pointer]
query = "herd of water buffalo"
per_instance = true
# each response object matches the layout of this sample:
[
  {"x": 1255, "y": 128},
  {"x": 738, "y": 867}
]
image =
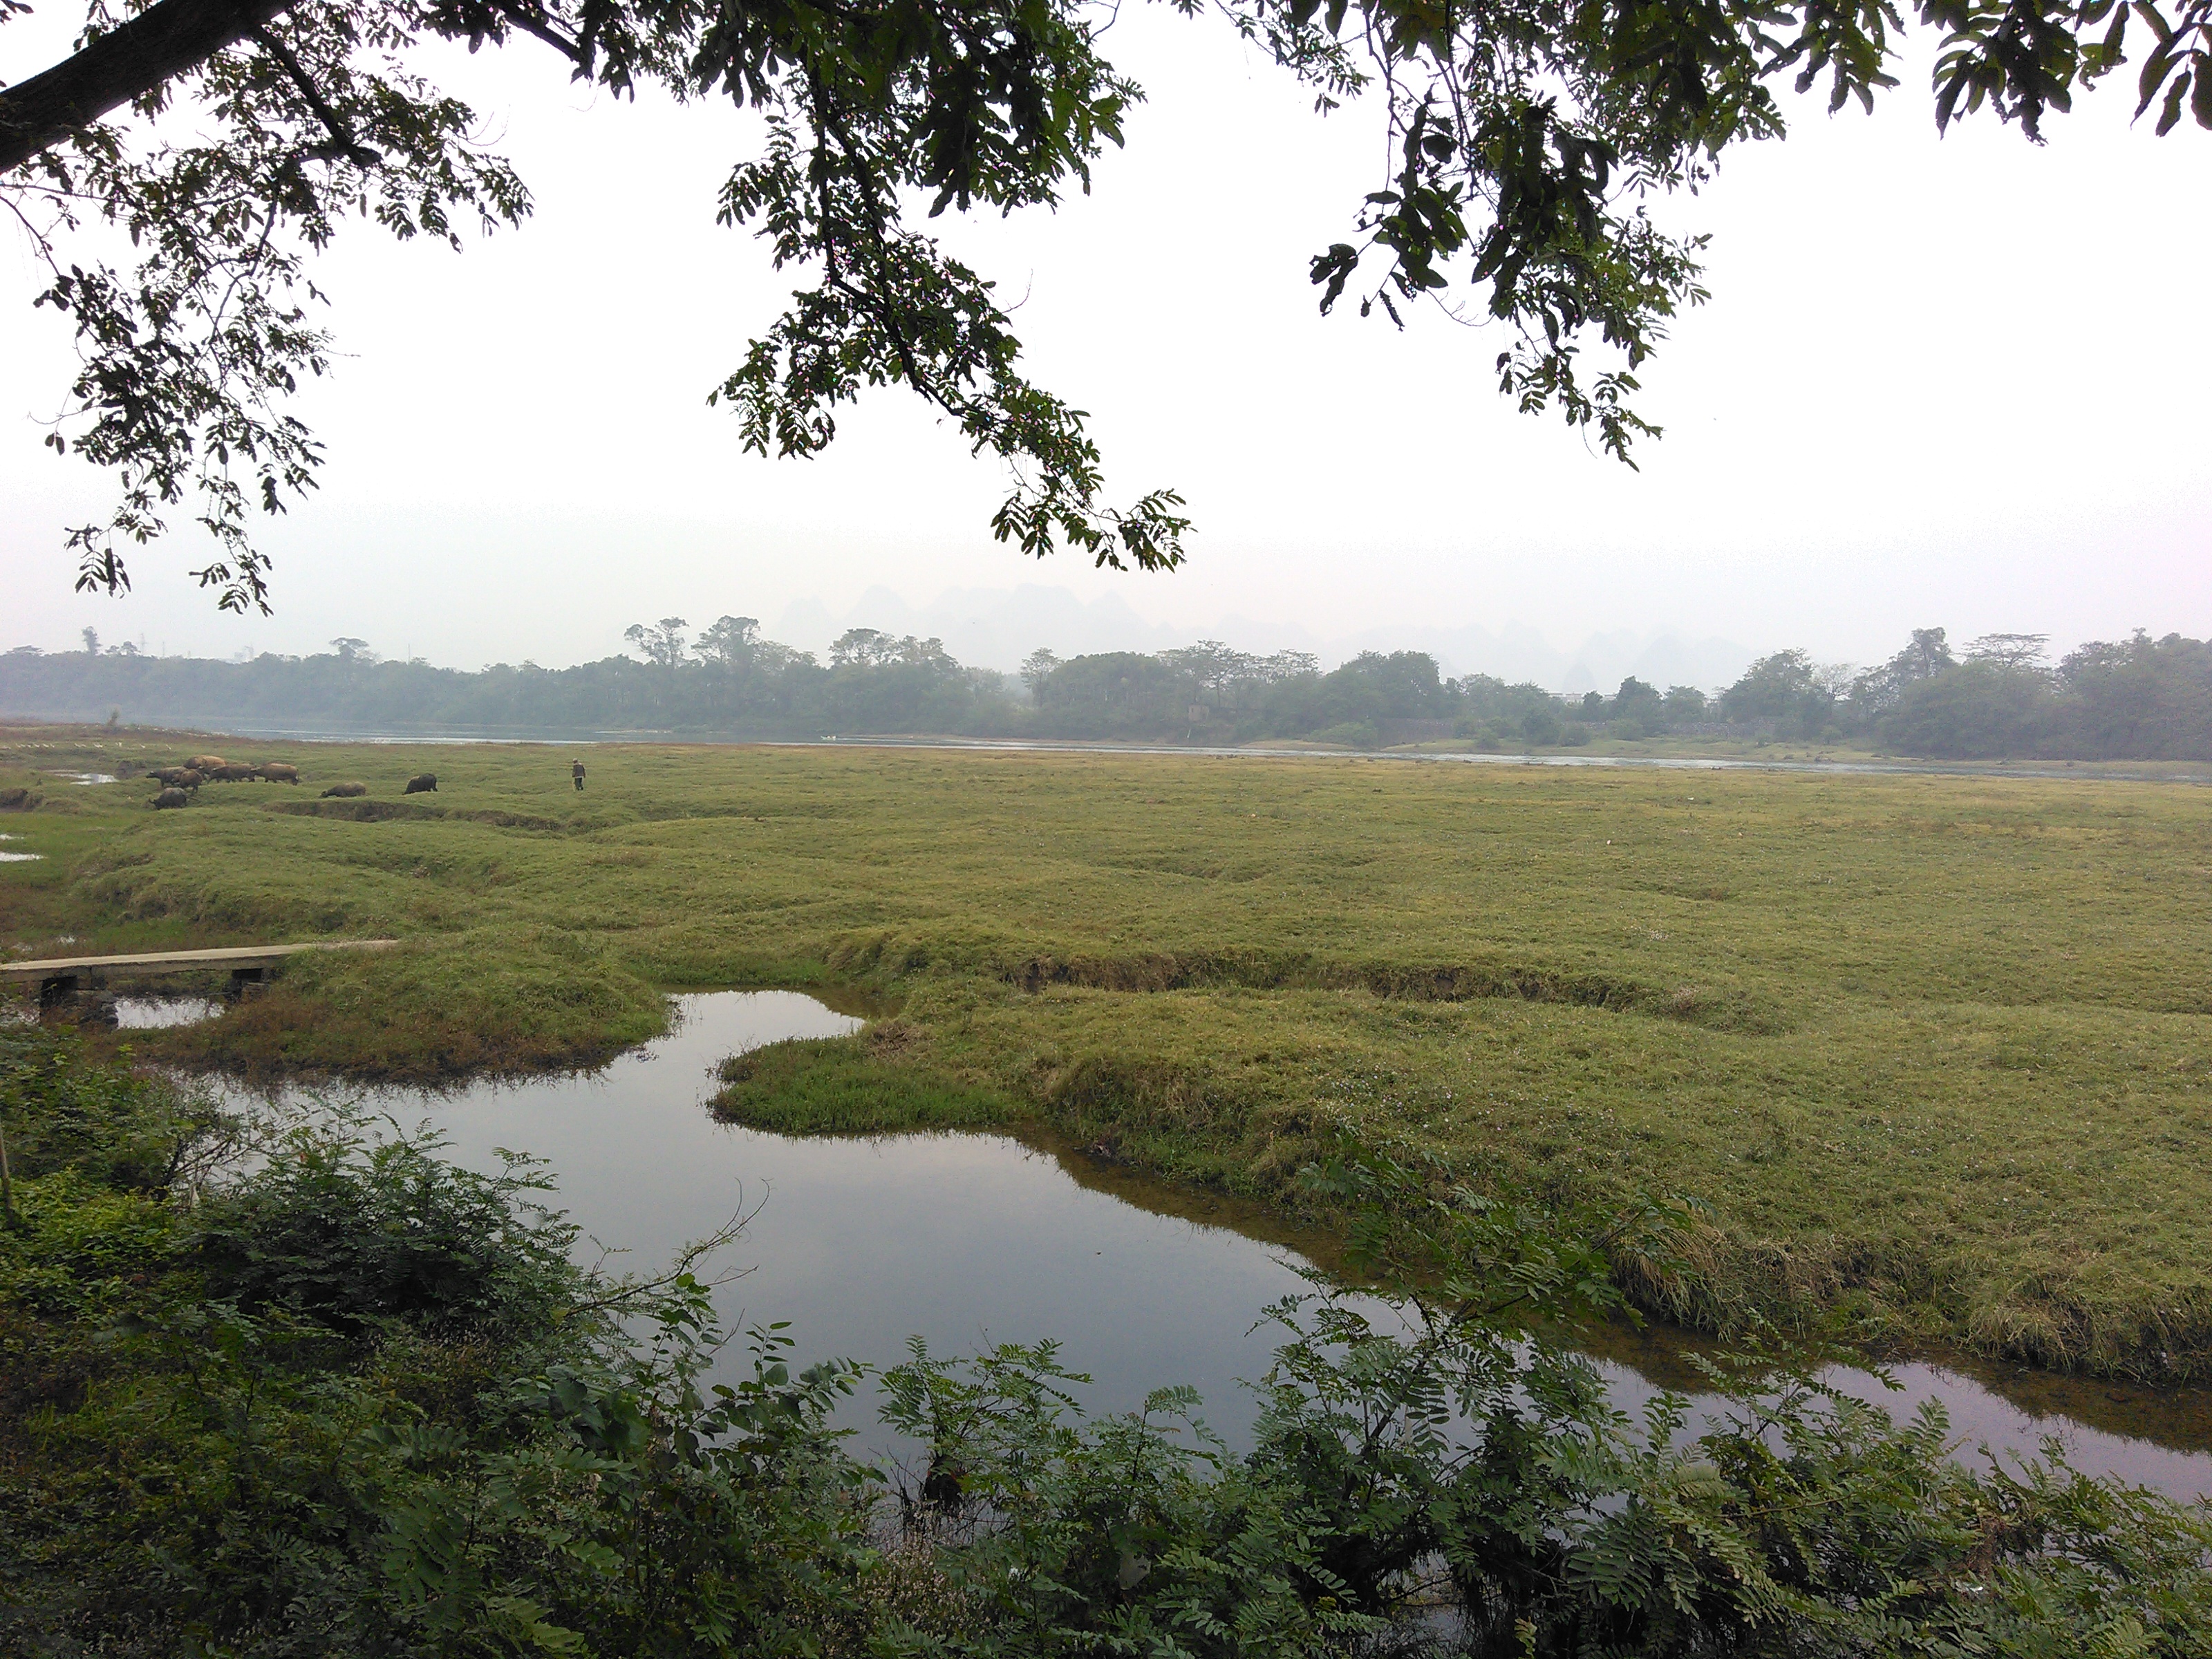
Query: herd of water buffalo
[{"x": 178, "y": 782}]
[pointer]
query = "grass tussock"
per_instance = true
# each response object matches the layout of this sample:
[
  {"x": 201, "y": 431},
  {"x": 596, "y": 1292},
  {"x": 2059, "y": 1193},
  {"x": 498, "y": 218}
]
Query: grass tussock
[
  {"x": 429, "y": 1011},
  {"x": 1931, "y": 1051},
  {"x": 845, "y": 1085},
  {"x": 385, "y": 812},
  {"x": 1722, "y": 1010}
]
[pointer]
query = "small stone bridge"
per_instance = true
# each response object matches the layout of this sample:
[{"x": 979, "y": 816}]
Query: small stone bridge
[{"x": 58, "y": 976}]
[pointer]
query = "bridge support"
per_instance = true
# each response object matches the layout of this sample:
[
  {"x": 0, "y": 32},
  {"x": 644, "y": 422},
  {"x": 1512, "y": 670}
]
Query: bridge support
[
  {"x": 56, "y": 978},
  {"x": 59, "y": 987}
]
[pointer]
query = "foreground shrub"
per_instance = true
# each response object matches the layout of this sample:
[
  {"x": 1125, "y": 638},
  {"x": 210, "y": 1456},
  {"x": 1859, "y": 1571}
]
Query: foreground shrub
[
  {"x": 360, "y": 1400},
  {"x": 351, "y": 1399},
  {"x": 1425, "y": 1475}
]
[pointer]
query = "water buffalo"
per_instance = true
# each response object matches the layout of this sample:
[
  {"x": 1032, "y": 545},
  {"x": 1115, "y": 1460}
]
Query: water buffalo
[
  {"x": 345, "y": 791},
  {"x": 171, "y": 798},
  {"x": 232, "y": 773},
  {"x": 179, "y": 777},
  {"x": 421, "y": 783},
  {"x": 204, "y": 763},
  {"x": 278, "y": 772}
]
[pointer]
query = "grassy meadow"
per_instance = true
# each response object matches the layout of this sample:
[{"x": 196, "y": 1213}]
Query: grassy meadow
[{"x": 1931, "y": 1051}]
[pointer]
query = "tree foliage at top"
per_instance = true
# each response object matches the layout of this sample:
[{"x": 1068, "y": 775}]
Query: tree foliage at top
[{"x": 230, "y": 139}]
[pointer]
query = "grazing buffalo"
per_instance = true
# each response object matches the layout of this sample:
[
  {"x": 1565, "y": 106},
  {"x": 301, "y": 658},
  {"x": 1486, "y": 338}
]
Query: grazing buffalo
[
  {"x": 345, "y": 791},
  {"x": 278, "y": 772},
  {"x": 421, "y": 783},
  {"x": 204, "y": 762},
  {"x": 180, "y": 777},
  {"x": 169, "y": 797},
  {"x": 233, "y": 772}
]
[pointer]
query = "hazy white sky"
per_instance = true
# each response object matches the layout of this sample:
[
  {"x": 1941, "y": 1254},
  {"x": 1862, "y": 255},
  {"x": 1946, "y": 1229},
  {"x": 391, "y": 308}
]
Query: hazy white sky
[{"x": 1956, "y": 382}]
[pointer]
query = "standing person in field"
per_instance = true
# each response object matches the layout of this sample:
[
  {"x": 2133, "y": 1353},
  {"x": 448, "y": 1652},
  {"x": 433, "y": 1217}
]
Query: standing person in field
[{"x": 576, "y": 771}]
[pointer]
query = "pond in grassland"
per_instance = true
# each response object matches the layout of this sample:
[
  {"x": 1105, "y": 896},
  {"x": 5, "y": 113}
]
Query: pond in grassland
[
  {"x": 967, "y": 1240},
  {"x": 148, "y": 1013}
]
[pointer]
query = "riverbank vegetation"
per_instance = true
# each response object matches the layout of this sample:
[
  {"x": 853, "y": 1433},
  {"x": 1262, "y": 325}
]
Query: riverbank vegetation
[
  {"x": 1997, "y": 698},
  {"x": 1929, "y": 1051},
  {"x": 281, "y": 1388}
]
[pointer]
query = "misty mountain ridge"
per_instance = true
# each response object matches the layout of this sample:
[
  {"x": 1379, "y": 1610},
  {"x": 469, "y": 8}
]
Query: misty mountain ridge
[{"x": 997, "y": 626}]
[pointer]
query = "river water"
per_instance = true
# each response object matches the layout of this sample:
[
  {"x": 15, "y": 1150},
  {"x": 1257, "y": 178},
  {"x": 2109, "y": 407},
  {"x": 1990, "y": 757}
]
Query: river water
[
  {"x": 1813, "y": 762},
  {"x": 968, "y": 1240}
]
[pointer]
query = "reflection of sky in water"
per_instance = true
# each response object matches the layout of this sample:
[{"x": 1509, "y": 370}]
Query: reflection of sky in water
[
  {"x": 974, "y": 1239},
  {"x": 1980, "y": 1417},
  {"x": 149, "y": 1013}
]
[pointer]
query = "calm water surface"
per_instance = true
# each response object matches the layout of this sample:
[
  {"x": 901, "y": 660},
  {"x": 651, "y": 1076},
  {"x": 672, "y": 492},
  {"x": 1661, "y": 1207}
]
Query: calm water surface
[
  {"x": 972, "y": 1239},
  {"x": 151, "y": 1013}
]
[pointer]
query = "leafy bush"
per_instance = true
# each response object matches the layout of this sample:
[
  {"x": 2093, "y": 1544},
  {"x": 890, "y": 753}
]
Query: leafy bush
[
  {"x": 352, "y": 1235},
  {"x": 1419, "y": 1456},
  {"x": 129, "y": 1132},
  {"x": 360, "y": 1400}
]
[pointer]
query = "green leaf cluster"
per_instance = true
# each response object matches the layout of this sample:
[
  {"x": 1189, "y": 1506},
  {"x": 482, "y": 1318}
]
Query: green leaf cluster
[{"x": 1529, "y": 141}]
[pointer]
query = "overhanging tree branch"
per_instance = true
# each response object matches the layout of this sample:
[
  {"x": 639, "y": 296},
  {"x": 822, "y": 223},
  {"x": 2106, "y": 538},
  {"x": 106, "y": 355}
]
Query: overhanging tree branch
[
  {"x": 162, "y": 42},
  {"x": 532, "y": 22},
  {"x": 343, "y": 142},
  {"x": 1526, "y": 140}
]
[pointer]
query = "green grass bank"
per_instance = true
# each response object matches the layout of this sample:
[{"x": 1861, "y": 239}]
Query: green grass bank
[{"x": 1931, "y": 1051}]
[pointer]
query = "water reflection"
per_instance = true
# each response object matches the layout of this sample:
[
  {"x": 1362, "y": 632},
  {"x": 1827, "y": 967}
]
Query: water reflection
[
  {"x": 1815, "y": 762},
  {"x": 152, "y": 1014},
  {"x": 972, "y": 1239}
]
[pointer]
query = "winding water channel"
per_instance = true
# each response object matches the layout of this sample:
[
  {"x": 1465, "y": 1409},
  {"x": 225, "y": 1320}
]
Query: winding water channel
[{"x": 971, "y": 1239}]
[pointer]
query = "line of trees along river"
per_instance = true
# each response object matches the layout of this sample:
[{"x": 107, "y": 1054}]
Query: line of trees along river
[{"x": 2135, "y": 699}]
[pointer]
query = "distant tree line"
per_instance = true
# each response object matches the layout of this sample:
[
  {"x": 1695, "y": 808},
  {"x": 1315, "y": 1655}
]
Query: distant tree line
[{"x": 2137, "y": 699}]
